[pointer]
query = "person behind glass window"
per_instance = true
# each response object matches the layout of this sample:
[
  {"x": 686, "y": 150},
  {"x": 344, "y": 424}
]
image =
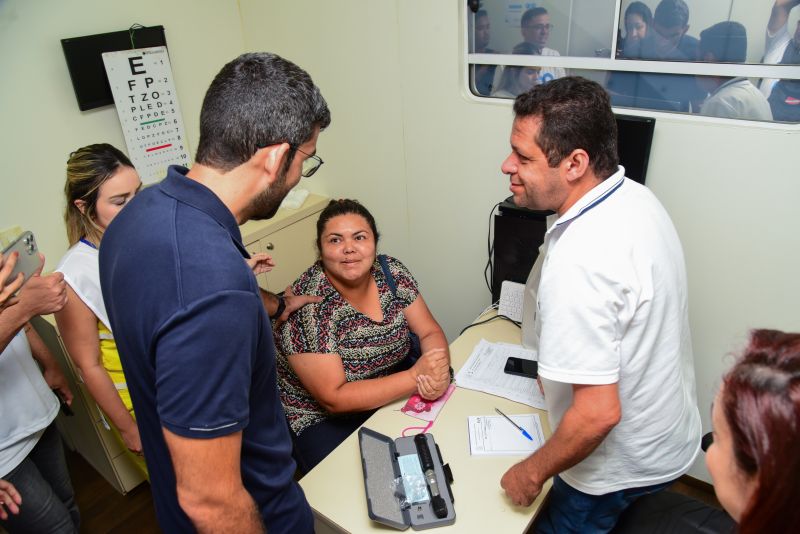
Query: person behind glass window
[
  {"x": 100, "y": 182},
  {"x": 535, "y": 27},
  {"x": 666, "y": 40},
  {"x": 729, "y": 97},
  {"x": 670, "y": 40},
  {"x": 638, "y": 19},
  {"x": 753, "y": 460},
  {"x": 344, "y": 357},
  {"x": 781, "y": 46},
  {"x": 784, "y": 49},
  {"x": 517, "y": 80},
  {"x": 483, "y": 74}
]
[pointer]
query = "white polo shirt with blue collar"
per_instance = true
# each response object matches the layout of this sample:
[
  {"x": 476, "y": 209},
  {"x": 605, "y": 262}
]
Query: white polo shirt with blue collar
[{"x": 612, "y": 307}]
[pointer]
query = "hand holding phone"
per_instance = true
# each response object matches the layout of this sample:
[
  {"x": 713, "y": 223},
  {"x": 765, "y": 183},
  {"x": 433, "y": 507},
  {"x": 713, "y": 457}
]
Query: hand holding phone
[
  {"x": 27, "y": 257},
  {"x": 522, "y": 367},
  {"x": 9, "y": 285},
  {"x": 43, "y": 294}
]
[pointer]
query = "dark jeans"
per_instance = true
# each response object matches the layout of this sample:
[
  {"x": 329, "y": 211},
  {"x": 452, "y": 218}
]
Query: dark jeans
[
  {"x": 570, "y": 510},
  {"x": 318, "y": 441},
  {"x": 42, "y": 479}
]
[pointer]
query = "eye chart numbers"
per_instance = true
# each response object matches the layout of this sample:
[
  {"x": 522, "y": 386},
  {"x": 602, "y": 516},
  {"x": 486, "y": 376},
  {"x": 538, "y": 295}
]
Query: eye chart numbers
[{"x": 147, "y": 105}]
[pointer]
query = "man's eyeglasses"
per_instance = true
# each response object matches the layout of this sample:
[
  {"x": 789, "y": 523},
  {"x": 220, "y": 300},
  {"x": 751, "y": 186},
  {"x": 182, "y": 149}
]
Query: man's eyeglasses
[{"x": 310, "y": 165}]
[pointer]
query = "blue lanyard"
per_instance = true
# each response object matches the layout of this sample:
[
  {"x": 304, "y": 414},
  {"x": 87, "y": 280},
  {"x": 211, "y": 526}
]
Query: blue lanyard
[{"x": 87, "y": 242}]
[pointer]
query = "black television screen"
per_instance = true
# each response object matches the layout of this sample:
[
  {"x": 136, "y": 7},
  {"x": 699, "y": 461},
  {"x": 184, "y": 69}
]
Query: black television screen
[
  {"x": 85, "y": 60},
  {"x": 634, "y": 137}
]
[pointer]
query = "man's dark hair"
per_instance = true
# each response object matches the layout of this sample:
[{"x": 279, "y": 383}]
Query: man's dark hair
[
  {"x": 574, "y": 113},
  {"x": 344, "y": 206},
  {"x": 641, "y": 9},
  {"x": 671, "y": 13},
  {"x": 727, "y": 42},
  {"x": 532, "y": 13},
  {"x": 256, "y": 100}
]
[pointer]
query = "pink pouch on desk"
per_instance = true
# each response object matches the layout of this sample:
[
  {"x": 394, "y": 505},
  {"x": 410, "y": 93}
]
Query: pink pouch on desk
[{"x": 426, "y": 410}]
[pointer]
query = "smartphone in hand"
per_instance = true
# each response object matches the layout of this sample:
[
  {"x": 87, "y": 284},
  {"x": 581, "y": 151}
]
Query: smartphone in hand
[
  {"x": 28, "y": 260},
  {"x": 521, "y": 367}
]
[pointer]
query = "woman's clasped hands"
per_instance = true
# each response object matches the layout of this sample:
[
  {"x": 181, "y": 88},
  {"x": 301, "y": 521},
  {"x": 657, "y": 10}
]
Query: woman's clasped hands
[{"x": 432, "y": 373}]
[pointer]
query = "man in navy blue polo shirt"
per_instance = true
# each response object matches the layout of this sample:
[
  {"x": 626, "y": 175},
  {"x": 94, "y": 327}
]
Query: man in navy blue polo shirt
[{"x": 190, "y": 323}]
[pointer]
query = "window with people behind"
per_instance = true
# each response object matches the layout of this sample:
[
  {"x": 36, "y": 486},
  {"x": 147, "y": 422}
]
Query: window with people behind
[{"x": 733, "y": 59}]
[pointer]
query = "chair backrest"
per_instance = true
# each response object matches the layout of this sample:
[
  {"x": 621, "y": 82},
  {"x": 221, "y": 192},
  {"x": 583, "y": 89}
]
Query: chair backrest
[{"x": 666, "y": 512}]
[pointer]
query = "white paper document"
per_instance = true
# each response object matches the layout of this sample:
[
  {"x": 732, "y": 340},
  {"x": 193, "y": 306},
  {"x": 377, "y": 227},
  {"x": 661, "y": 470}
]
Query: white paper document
[
  {"x": 483, "y": 371},
  {"x": 494, "y": 435}
]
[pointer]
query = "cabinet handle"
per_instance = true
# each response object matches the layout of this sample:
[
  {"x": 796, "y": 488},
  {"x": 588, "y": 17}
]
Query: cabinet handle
[{"x": 270, "y": 246}]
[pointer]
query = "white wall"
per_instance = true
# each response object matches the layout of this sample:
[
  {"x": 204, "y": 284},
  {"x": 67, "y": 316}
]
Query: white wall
[
  {"x": 425, "y": 158},
  {"x": 41, "y": 120},
  {"x": 351, "y": 49}
]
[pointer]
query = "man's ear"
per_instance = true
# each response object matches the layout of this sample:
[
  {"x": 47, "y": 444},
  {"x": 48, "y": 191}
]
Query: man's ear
[
  {"x": 274, "y": 158},
  {"x": 81, "y": 205},
  {"x": 576, "y": 164}
]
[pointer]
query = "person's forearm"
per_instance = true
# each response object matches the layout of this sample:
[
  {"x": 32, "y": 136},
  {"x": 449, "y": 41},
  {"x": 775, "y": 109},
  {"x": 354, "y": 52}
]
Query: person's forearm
[
  {"x": 105, "y": 394},
  {"x": 270, "y": 301},
  {"x": 12, "y": 319},
  {"x": 237, "y": 513},
  {"x": 573, "y": 441},
  {"x": 39, "y": 350},
  {"x": 362, "y": 395},
  {"x": 780, "y": 15},
  {"x": 209, "y": 483},
  {"x": 434, "y": 339}
]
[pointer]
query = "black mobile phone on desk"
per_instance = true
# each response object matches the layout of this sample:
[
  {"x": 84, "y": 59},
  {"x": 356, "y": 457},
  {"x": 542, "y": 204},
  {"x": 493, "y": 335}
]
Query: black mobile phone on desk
[{"x": 521, "y": 367}]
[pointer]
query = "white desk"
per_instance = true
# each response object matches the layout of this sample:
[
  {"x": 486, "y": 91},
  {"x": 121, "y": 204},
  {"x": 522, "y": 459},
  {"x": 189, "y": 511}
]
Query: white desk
[{"x": 335, "y": 488}]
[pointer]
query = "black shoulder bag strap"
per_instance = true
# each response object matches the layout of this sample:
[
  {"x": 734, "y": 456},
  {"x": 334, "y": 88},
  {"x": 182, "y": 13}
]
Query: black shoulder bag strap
[{"x": 415, "y": 351}]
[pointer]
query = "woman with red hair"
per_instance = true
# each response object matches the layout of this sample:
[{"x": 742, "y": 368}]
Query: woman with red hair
[{"x": 754, "y": 459}]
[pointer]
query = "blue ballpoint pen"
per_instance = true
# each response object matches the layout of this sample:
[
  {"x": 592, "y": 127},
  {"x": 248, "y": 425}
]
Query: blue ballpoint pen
[{"x": 524, "y": 432}]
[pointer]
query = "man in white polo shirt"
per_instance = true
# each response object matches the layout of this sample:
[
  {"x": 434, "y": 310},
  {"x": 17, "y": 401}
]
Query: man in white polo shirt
[{"x": 606, "y": 309}]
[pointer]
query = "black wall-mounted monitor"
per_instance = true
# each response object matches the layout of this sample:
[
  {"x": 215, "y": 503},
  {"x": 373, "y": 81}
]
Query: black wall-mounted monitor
[
  {"x": 634, "y": 137},
  {"x": 85, "y": 60}
]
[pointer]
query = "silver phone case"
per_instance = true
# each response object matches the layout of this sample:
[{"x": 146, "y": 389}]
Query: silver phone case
[{"x": 28, "y": 260}]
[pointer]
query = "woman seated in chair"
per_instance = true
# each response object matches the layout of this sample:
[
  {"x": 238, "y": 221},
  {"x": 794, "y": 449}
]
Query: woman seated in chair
[
  {"x": 754, "y": 459},
  {"x": 342, "y": 358}
]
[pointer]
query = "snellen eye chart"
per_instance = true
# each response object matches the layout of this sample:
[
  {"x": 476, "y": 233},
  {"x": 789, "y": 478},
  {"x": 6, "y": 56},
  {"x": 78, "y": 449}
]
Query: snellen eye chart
[{"x": 147, "y": 105}]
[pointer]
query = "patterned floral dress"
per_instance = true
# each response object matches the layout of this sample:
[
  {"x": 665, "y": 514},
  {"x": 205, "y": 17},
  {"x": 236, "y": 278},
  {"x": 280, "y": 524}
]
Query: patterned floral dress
[{"x": 369, "y": 349}]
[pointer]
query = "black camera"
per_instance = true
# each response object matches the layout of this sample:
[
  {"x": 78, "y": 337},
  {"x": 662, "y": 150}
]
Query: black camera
[{"x": 474, "y": 5}]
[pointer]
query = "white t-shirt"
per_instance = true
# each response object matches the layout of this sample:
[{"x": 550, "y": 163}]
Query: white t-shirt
[
  {"x": 27, "y": 406},
  {"x": 547, "y": 74},
  {"x": 775, "y": 48},
  {"x": 81, "y": 269},
  {"x": 612, "y": 308},
  {"x": 737, "y": 99}
]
